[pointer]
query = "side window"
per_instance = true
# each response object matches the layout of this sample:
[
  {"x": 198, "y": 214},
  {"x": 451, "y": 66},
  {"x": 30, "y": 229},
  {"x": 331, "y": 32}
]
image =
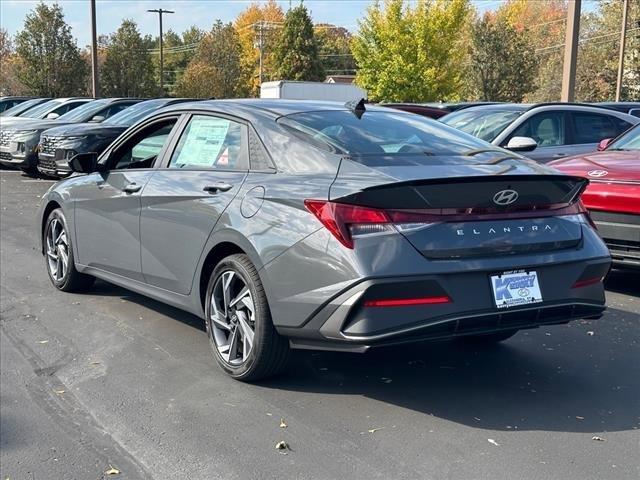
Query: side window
[
  {"x": 142, "y": 149},
  {"x": 593, "y": 127},
  {"x": 211, "y": 142},
  {"x": 115, "y": 109},
  {"x": 622, "y": 126},
  {"x": 548, "y": 129},
  {"x": 67, "y": 107}
]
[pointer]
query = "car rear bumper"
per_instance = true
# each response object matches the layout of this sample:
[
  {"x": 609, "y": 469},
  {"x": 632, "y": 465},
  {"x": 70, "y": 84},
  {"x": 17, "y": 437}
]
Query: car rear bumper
[
  {"x": 621, "y": 233},
  {"x": 345, "y": 324}
]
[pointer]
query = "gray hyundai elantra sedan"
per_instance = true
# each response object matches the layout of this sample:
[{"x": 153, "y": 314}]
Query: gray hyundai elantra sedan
[{"x": 318, "y": 225}]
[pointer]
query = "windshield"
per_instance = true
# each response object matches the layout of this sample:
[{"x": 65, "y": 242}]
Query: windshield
[
  {"x": 41, "y": 110},
  {"x": 628, "y": 141},
  {"x": 484, "y": 124},
  {"x": 131, "y": 115},
  {"x": 21, "y": 107},
  {"x": 84, "y": 112},
  {"x": 380, "y": 133}
]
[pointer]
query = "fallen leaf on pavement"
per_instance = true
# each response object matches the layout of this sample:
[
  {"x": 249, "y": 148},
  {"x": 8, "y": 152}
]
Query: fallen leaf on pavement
[
  {"x": 493, "y": 442},
  {"x": 94, "y": 363},
  {"x": 590, "y": 333},
  {"x": 42, "y": 342},
  {"x": 282, "y": 446},
  {"x": 282, "y": 424},
  {"x": 579, "y": 417},
  {"x": 112, "y": 471},
  {"x": 597, "y": 438},
  {"x": 386, "y": 380},
  {"x": 59, "y": 392},
  {"x": 374, "y": 430}
]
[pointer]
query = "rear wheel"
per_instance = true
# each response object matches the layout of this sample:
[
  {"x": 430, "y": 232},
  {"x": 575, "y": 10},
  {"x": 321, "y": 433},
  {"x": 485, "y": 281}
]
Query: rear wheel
[
  {"x": 489, "y": 338},
  {"x": 59, "y": 256},
  {"x": 243, "y": 338}
]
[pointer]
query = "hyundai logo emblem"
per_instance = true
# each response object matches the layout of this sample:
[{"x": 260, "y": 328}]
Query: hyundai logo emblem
[
  {"x": 597, "y": 173},
  {"x": 505, "y": 197}
]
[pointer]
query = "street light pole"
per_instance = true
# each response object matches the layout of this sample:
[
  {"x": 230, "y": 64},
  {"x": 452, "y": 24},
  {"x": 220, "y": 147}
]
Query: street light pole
[
  {"x": 94, "y": 52},
  {"x": 623, "y": 38},
  {"x": 160, "y": 11},
  {"x": 567, "y": 93}
]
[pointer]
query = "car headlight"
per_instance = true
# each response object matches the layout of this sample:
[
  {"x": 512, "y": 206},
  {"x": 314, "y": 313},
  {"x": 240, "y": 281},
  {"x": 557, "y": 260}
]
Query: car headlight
[{"x": 74, "y": 138}]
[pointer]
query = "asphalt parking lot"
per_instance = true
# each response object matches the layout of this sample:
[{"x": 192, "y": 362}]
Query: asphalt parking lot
[{"x": 111, "y": 380}]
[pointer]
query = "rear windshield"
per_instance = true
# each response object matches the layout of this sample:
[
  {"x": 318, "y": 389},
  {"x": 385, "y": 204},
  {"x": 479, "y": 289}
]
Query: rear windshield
[
  {"x": 484, "y": 124},
  {"x": 379, "y": 133}
]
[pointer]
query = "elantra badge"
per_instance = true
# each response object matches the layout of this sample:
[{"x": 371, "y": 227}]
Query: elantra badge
[
  {"x": 597, "y": 173},
  {"x": 505, "y": 197}
]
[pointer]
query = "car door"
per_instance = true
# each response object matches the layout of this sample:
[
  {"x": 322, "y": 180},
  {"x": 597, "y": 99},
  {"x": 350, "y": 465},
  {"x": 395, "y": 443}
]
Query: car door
[
  {"x": 184, "y": 198},
  {"x": 107, "y": 206},
  {"x": 549, "y": 129}
]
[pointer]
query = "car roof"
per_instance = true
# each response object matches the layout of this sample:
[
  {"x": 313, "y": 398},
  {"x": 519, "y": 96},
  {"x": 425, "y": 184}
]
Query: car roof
[{"x": 275, "y": 107}]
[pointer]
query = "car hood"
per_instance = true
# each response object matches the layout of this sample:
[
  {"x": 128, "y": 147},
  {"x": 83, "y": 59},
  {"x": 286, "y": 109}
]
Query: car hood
[
  {"x": 75, "y": 129},
  {"x": 609, "y": 165},
  {"x": 33, "y": 125}
]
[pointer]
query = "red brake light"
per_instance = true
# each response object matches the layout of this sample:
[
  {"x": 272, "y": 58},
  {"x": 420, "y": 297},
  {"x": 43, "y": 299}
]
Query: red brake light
[
  {"x": 403, "y": 302},
  {"x": 338, "y": 217},
  {"x": 586, "y": 282}
]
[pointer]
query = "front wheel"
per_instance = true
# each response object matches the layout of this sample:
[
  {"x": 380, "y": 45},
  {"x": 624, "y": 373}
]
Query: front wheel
[
  {"x": 243, "y": 338},
  {"x": 59, "y": 256}
]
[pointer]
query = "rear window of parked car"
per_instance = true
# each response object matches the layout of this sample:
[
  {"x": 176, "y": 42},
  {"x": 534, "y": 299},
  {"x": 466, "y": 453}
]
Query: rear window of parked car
[{"x": 379, "y": 133}]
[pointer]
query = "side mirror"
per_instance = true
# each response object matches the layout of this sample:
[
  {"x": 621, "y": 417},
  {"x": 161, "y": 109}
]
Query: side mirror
[
  {"x": 604, "y": 144},
  {"x": 522, "y": 144},
  {"x": 97, "y": 119},
  {"x": 84, "y": 162},
  {"x": 53, "y": 116}
]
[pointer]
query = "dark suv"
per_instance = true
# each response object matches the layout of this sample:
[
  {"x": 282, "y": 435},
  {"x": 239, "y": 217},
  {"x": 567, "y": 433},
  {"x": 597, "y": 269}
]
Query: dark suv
[{"x": 58, "y": 145}]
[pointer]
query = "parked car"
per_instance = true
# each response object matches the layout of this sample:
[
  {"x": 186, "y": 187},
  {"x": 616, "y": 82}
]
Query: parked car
[
  {"x": 613, "y": 194},
  {"x": 59, "y": 144},
  {"x": 417, "y": 108},
  {"x": 48, "y": 110},
  {"x": 545, "y": 131},
  {"x": 321, "y": 225},
  {"x": 632, "y": 108},
  {"x": 19, "y": 143},
  {"x": 8, "y": 102},
  {"x": 455, "y": 106},
  {"x": 22, "y": 109}
]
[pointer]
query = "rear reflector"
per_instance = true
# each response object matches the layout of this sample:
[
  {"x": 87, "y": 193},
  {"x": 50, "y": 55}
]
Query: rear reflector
[
  {"x": 404, "y": 302},
  {"x": 586, "y": 282}
]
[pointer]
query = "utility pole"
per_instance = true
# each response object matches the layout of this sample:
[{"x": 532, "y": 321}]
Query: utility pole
[
  {"x": 623, "y": 38},
  {"x": 160, "y": 11},
  {"x": 570, "y": 51},
  {"x": 94, "y": 52},
  {"x": 260, "y": 49}
]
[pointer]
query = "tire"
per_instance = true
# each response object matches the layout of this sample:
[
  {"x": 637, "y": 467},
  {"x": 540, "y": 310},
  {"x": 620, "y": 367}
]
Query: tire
[
  {"x": 490, "y": 338},
  {"x": 30, "y": 171},
  {"x": 267, "y": 353},
  {"x": 65, "y": 278}
]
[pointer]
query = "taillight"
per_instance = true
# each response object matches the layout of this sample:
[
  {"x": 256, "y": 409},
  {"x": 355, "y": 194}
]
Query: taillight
[
  {"x": 346, "y": 221},
  {"x": 407, "y": 302}
]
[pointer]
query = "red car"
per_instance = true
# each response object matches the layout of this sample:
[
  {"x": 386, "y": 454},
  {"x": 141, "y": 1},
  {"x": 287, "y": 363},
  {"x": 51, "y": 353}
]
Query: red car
[{"x": 613, "y": 194}]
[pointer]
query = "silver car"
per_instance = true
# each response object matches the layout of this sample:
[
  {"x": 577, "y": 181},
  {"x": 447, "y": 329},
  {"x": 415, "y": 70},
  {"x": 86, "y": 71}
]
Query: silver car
[
  {"x": 317, "y": 225},
  {"x": 542, "y": 132}
]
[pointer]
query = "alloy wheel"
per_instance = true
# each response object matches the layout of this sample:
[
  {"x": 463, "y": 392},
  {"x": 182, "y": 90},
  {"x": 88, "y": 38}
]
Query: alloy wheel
[
  {"x": 57, "y": 250},
  {"x": 232, "y": 318}
]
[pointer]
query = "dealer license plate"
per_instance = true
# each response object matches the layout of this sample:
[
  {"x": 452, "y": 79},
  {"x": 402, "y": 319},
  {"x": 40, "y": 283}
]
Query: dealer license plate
[{"x": 515, "y": 288}]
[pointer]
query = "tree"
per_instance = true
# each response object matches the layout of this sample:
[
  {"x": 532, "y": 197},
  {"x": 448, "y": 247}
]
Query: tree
[
  {"x": 296, "y": 53},
  {"x": 128, "y": 69},
  {"x": 9, "y": 83},
  {"x": 49, "y": 63},
  {"x": 215, "y": 70},
  {"x": 258, "y": 27},
  {"x": 412, "y": 53},
  {"x": 334, "y": 48},
  {"x": 179, "y": 50},
  {"x": 503, "y": 65}
]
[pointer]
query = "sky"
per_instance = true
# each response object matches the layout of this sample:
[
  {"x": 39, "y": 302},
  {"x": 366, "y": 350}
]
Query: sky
[{"x": 201, "y": 13}]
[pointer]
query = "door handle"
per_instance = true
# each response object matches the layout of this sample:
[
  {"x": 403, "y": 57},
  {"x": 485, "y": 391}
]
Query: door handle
[
  {"x": 559, "y": 155},
  {"x": 132, "y": 188},
  {"x": 218, "y": 187}
]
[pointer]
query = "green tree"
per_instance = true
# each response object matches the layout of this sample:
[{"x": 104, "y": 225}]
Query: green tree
[
  {"x": 334, "y": 47},
  {"x": 49, "y": 63},
  {"x": 215, "y": 70},
  {"x": 503, "y": 65},
  {"x": 128, "y": 69},
  {"x": 412, "y": 53},
  {"x": 296, "y": 53}
]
